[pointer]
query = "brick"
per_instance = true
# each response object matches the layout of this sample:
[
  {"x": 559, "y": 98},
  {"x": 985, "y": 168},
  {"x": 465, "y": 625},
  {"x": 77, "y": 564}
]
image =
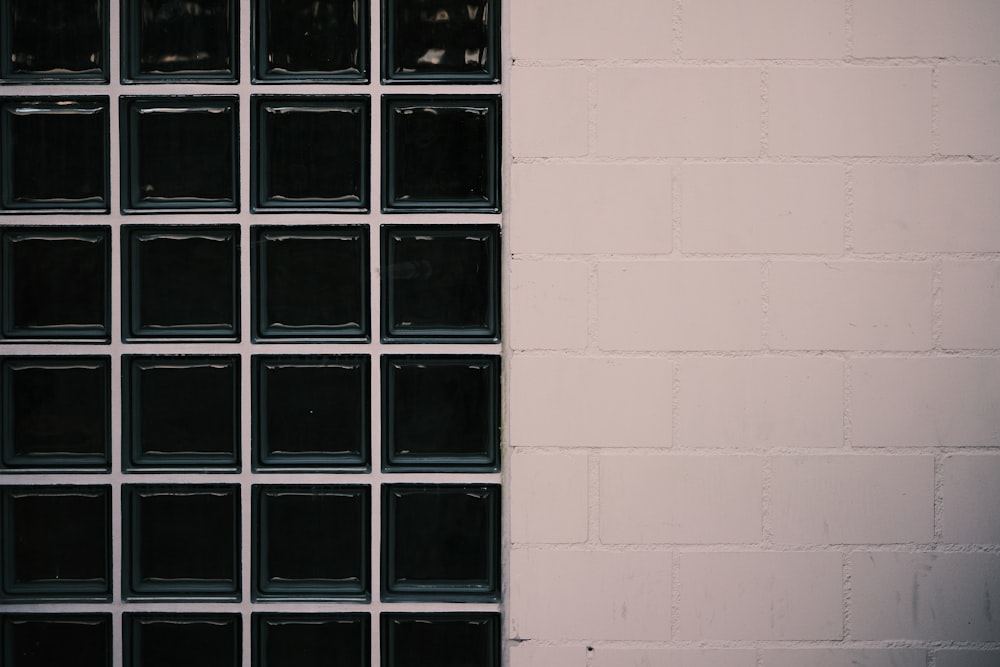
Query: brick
[
  {"x": 685, "y": 305},
  {"x": 678, "y": 111},
  {"x": 770, "y": 595},
  {"x": 850, "y": 305},
  {"x": 926, "y": 28},
  {"x": 926, "y": 402},
  {"x": 839, "y": 657},
  {"x": 970, "y": 496},
  {"x": 926, "y": 596},
  {"x": 638, "y": 657},
  {"x": 966, "y": 658},
  {"x": 849, "y": 111},
  {"x": 970, "y": 308},
  {"x": 759, "y": 402},
  {"x": 665, "y": 499},
  {"x": 969, "y": 115},
  {"x": 549, "y": 112},
  {"x": 926, "y": 208},
  {"x": 591, "y": 595},
  {"x": 852, "y": 499},
  {"x": 548, "y": 304},
  {"x": 590, "y": 208},
  {"x": 763, "y": 208},
  {"x": 590, "y": 402},
  {"x": 567, "y": 29},
  {"x": 734, "y": 29},
  {"x": 527, "y": 655},
  {"x": 543, "y": 512}
]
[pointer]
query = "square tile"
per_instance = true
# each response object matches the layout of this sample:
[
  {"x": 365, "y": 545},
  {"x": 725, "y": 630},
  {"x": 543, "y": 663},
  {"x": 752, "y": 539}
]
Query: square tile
[
  {"x": 44, "y": 640},
  {"x": 192, "y": 640},
  {"x": 440, "y": 639},
  {"x": 61, "y": 40},
  {"x": 311, "y": 640}
]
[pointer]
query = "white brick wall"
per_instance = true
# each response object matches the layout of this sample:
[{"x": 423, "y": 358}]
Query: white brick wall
[{"x": 753, "y": 333}]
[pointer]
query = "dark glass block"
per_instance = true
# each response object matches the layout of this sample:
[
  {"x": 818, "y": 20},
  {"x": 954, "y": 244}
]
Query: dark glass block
[
  {"x": 185, "y": 40},
  {"x": 311, "y": 153},
  {"x": 441, "y": 283},
  {"x": 191, "y": 640},
  {"x": 179, "y": 153},
  {"x": 311, "y": 542},
  {"x": 441, "y": 542},
  {"x": 311, "y": 412},
  {"x": 56, "y": 412},
  {"x": 310, "y": 40},
  {"x": 441, "y": 153},
  {"x": 180, "y": 282},
  {"x": 311, "y": 640},
  {"x": 51, "y": 640},
  {"x": 54, "y": 40},
  {"x": 441, "y": 413},
  {"x": 56, "y": 542},
  {"x": 181, "y": 412},
  {"x": 55, "y": 154},
  {"x": 440, "y": 639},
  {"x": 181, "y": 540},
  {"x": 441, "y": 40},
  {"x": 56, "y": 282}
]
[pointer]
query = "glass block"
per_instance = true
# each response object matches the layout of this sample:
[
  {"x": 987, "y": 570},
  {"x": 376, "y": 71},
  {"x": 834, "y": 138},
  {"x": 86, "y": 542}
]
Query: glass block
[
  {"x": 310, "y": 40},
  {"x": 55, "y": 40},
  {"x": 56, "y": 413},
  {"x": 180, "y": 282},
  {"x": 56, "y": 542},
  {"x": 180, "y": 153},
  {"x": 180, "y": 40},
  {"x": 441, "y": 282},
  {"x": 56, "y": 282},
  {"x": 311, "y": 412},
  {"x": 311, "y": 283},
  {"x": 55, "y": 154},
  {"x": 311, "y": 153},
  {"x": 440, "y": 639},
  {"x": 441, "y": 153},
  {"x": 311, "y": 542},
  {"x": 311, "y": 640},
  {"x": 191, "y": 640},
  {"x": 441, "y": 40},
  {"x": 181, "y": 412},
  {"x": 440, "y": 413},
  {"x": 181, "y": 541},
  {"x": 441, "y": 542},
  {"x": 49, "y": 640}
]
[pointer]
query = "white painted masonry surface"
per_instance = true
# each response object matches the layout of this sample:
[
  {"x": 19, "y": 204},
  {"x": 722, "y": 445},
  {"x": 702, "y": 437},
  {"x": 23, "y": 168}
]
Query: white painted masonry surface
[{"x": 753, "y": 333}]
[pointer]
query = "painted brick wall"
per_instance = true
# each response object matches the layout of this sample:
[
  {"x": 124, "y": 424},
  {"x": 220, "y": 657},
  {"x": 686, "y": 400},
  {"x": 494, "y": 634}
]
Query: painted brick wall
[{"x": 753, "y": 322}]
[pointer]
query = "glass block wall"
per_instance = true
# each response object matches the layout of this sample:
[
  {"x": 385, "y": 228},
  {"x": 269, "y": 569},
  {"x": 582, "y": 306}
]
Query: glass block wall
[{"x": 250, "y": 333}]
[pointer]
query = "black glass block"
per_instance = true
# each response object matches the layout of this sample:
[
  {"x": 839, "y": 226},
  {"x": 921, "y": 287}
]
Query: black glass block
[
  {"x": 311, "y": 640},
  {"x": 51, "y": 640},
  {"x": 54, "y": 40},
  {"x": 311, "y": 542},
  {"x": 441, "y": 283},
  {"x": 55, "y": 282},
  {"x": 180, "y": 282},
  {"x": 56, "y": 542},
  {"x": 310, "y": 40},
  {"x": 310, "y": 153},
  {"x": 56, "y": 413},
  {"x": 441, "y": 153},
  {"x": 440, "y": 413},
  {"x": 55, "y": 154},
  {"x": 311, "y": 412},
  {"x": 181, "y": 541},
  {"x": 180, "y": 40},
  {"x": 441, "y": 542},
  {"x": 191, "y": 640},
  {"x": 179, "y": 153},
  {"x": 440, "y": 639},
  {"x": 441, "y": 40},
  {"x": 181, "y": 412}
]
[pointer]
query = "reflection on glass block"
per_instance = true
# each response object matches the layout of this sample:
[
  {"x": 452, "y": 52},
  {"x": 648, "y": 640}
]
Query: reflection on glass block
[
  {"x": 311, "y": 640},
  {"x": 440, "y": 639},
  {"x": 54, "y": 40},
  {"x": 172, "y": 640},
  {"x": 186, "y": 40},
  {"x": 45, "y": 640}
]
